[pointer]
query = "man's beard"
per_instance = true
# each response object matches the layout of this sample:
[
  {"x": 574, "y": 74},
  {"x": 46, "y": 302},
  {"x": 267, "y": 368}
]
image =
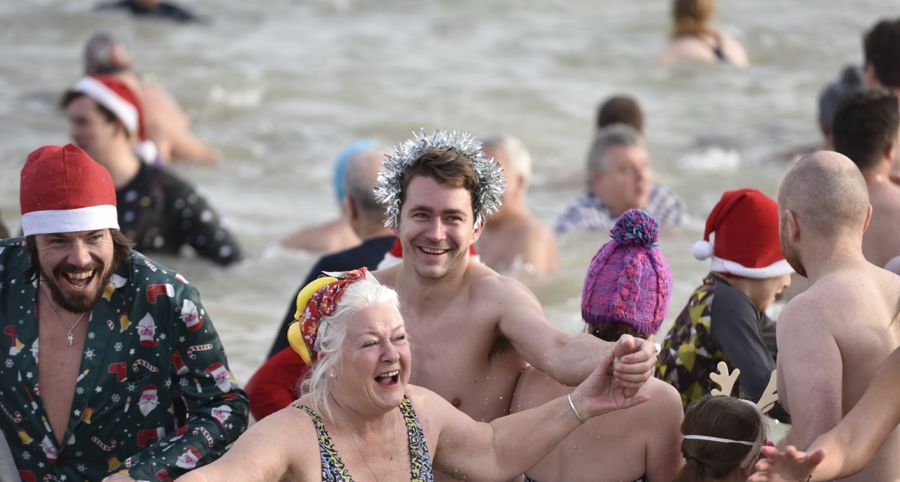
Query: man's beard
[{"x": 76, "y": 302}]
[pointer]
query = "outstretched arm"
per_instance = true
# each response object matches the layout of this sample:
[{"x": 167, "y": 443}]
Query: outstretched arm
[
  {"x": 509, "y": 445},
  {"x": 565, "y": 357},
  {"x": 847, "y": 448}
]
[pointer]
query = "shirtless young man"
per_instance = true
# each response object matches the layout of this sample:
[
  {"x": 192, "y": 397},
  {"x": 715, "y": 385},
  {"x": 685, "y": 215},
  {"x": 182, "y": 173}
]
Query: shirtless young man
[
  {"x": 474, "y": 329},
  {"x": 167, "y": 123},
  {"x": 833, "y": 337},
  {"x": 514, "y": 238},
  {"x": 865, "y": 130}
]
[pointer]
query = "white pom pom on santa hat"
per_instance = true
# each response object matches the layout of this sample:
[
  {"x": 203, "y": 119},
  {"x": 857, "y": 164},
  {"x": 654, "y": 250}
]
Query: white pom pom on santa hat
[{"x": 702, "y": 250}]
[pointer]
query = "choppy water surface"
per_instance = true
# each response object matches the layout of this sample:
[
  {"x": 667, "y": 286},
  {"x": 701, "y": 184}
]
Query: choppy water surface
[{"x": 279, "y": 87}]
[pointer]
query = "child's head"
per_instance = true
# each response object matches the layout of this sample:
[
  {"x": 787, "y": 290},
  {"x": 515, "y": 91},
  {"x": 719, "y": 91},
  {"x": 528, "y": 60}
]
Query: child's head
[
  {"x": 722, "y": 435},
  {"x": 628, "y": 284}
]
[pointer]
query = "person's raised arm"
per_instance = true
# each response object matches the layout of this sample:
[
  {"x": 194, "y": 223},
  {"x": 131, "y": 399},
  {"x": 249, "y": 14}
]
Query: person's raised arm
[
  {"x": 809, "y": 372},
  {"x": 847, "y": 448},
  {"x": 508, "y": 446},
  {"x": 567, "y": 358},
  {"x": 268, "y": 451}
]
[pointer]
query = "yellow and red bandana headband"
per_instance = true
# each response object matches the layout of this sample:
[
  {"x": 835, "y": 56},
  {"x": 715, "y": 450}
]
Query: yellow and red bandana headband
[{"x": 317, "y": 300}]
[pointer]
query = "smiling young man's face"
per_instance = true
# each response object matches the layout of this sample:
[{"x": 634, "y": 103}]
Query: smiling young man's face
[
  {"x": 436, "y": 228},
  {"x": 75, "y": 266}
]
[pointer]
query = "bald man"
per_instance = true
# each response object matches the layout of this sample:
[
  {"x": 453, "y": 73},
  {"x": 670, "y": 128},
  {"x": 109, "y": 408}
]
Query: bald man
[
  {"x": 833, "y": 337},
  {"x": 514, "y": 238}
]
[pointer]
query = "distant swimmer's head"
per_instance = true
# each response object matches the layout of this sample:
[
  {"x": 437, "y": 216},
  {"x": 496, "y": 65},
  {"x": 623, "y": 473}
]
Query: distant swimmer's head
[
  {"x": 619, "y": 171},
  {"x": 620, "y": 109},
  {"x": 692, "y": 17},
  {"x": 865, "y": 128},
  {"x": 361, "y": 176},
  {"x": 722, "y": 439},
  {"x": 449, "y": 158},
  {"x": 340, "y": 164},
  {"x": 628, "y": 284},
  {"x": 107, "y": 53},
  {"x": 514, "y": 159},
  {"x": 822, "y": 196},
  {"x": 741, "y": 241},
  {"x": 849, "y": 82},
  {"x": 880, "y": 46}
]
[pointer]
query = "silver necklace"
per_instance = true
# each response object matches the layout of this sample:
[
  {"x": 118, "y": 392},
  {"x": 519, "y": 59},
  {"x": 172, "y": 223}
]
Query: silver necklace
[
  {"x": 360, "y": 452},
  {"x": 70, "y": 337}
]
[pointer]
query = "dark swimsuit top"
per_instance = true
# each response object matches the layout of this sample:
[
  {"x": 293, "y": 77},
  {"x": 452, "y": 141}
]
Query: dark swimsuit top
[{"x": 333, "y": 469}]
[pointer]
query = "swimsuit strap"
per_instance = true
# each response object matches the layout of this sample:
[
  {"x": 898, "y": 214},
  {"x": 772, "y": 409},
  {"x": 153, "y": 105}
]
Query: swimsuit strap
[
  {"x": 717, "y": 49},
  {"x": 333, "y": 469},
  {"x": 419, "y": 458}
]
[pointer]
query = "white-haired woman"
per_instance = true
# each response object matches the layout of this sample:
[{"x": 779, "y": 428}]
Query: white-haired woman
[{"x": 370, "y": 424}]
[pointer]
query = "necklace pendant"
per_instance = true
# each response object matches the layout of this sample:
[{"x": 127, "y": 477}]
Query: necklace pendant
[{"x": 70, "y": 338}]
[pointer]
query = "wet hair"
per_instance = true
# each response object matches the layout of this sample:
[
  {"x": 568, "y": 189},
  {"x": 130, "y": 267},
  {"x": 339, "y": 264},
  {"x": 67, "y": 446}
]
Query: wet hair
[
  {"x": 880, "y": 47},
  {"x": 122, "y": 247},
  {"x": 612, "y": 331},
  {"x": 722, "y": 417},
  {"x": 516, "y": 153},
  {"x": 332, "y": 332},
  {"x": 849, "y": 82},
  {"x": 71, "y": 96},
  {"x": 614, "y": 135},
  {"x": 447, "y": 168},
  {"x": 864, "y": 124},
  {"x": 620, "y": 109},
  {"x": 691, "y": 17}
]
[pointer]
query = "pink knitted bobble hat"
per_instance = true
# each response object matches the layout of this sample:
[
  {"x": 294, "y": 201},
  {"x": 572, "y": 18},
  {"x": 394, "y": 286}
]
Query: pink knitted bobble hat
[{"x": 628, "y": 280}]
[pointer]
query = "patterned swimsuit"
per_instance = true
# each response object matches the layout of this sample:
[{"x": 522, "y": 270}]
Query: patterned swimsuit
[{"x": 333, "y": 469}]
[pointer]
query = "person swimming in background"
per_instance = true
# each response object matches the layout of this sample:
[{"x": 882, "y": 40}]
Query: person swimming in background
[
  {"x": 693, "y": 38},
  {"x": 153, "y": 9},
  {"x": 626, "y": 291},
  {"x": 168, "y": 125},
  {"x": 723, "y": 437},
  {"x": 336, "y": 234}
]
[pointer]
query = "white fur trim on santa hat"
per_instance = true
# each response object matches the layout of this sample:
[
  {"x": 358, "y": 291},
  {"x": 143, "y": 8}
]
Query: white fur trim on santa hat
[
  {"x": 70, "y": 220},
  {"x": 778, "y": 268},
  {"x": 124, "y": 110}
]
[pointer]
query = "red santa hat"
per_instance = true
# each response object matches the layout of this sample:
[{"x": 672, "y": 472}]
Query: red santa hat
[
  {"x": 110, "y": 92},
  {"x": 63, "y": 190},
  {"x": 745, "y": 223}
]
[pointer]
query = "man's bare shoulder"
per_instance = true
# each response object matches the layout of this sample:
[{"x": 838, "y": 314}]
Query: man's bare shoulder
[{"x": 485, "y": 284}]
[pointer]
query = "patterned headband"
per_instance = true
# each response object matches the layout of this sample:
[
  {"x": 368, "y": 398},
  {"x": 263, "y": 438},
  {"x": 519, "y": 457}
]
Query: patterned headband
[
  {"x": 317, "y": 300},
  {"x": 488, "y": 195}
]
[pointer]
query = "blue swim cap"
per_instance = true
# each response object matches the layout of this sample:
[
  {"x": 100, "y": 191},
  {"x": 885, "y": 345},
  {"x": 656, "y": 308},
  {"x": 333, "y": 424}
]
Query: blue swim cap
[{"x": 340, "y": 166}]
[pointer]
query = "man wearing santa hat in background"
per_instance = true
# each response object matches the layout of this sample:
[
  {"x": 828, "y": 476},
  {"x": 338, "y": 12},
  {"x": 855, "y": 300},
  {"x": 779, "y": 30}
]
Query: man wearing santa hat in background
[
  {"x": 157, "y": 210},
  {"x": 725, "y": 318},
  {"x": 94, "y": 380}
]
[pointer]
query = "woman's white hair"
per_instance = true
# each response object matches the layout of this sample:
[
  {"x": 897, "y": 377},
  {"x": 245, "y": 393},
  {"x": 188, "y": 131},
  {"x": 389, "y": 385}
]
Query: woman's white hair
[{"x": 330, "y": 337}]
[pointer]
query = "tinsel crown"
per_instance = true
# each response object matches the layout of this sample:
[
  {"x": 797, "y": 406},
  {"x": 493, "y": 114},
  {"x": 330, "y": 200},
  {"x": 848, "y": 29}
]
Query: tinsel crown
[{"x": 488, "y": 195}]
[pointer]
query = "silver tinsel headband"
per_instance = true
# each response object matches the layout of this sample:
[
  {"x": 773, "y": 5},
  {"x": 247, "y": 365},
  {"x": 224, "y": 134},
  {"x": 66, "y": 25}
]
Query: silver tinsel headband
[{"x": 488, "y": 195}]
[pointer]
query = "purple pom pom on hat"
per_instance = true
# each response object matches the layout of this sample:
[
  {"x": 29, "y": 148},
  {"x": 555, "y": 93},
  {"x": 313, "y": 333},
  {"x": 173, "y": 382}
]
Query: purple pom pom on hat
[{"x": 628, "y": 280}]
